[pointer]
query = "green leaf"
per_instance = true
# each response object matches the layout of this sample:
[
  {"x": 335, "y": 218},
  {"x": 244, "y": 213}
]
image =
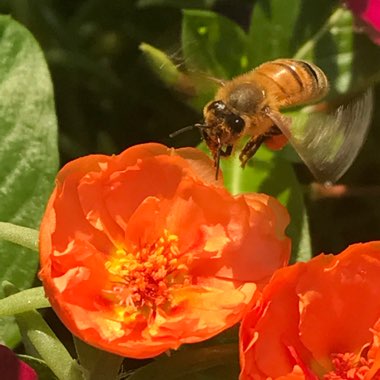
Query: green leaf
[
  {"x": 272, "y": 28},
  {"x": 278, "y": 28},
  {"x": 316, "y": 31},
  {"x": 340, "y": 52},
  {"x": 166, "y": 70},
  {"x": 28, "y": 149},
  {"x": 214, "y": 48},
  {"x": 161, "y": 64},
  {"x": 23, "y": 301},
  {"x": 268, "y": 173},
  {"x": 213, "y": 44},
  {"x": 10, "y": 332},
  {"x": 332, "y": 49},
  {"x": 194, "y": 88},
  {"x": 98, "y": 364},
  {"x": 38, "y": 335},
  {"x": 192, "y": 364}
]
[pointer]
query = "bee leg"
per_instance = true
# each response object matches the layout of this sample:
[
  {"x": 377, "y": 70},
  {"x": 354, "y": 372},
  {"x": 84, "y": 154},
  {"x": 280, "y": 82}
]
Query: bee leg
[
  {"x": 250, "y": 149},
  {"x": 227, "y": 152}
]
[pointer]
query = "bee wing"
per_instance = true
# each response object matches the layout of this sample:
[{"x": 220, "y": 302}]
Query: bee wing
[{"x": 329, "y": 143}]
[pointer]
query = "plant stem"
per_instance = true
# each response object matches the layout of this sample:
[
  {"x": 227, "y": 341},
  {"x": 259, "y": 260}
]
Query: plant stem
[
  {"x": 23, "y": 301},
  {"x": 37, "y": 332},
  {"x": 24, "y": 236}
]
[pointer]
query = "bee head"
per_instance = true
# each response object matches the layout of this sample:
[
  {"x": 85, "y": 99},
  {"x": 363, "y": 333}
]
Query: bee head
[
  {"x": 221, "y": 128},
  {"x": 223, "y": 125}
]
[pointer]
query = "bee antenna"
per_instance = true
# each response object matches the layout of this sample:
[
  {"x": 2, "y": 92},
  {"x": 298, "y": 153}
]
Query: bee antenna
[
  {"x": 201, "y": 126},
  {"x": 188, "y": 128},
  {"x": 185, "y": 129}
]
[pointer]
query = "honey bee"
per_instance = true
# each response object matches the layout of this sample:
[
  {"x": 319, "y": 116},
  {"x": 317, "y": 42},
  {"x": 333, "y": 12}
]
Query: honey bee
[{"x": 250, "y": 105}]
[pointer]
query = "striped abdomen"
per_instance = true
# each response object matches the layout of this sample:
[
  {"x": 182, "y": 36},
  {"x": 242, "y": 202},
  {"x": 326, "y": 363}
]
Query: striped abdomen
[{"x": 291, "y": 82}]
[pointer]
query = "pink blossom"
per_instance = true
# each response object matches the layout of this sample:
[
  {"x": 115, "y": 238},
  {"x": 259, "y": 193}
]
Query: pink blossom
[
  {"x": 368, "y": 16},
  {"x": 11, "y": 368}
]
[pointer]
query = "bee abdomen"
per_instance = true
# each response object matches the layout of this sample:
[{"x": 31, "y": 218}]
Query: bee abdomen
[{"x": 293, "y": 82}]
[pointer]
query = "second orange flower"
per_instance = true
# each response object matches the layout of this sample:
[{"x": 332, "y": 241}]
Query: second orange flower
[{"x": 317, "y": 320}]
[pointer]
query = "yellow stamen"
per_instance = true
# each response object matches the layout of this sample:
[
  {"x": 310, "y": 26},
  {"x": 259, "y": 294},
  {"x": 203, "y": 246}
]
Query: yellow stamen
[
  {"x": 350, "y": 366},
  {"x": 141, "y": 279}
]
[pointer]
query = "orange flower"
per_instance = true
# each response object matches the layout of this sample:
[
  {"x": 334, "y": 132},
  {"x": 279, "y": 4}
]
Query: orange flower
[
  {"x": 317, "y": 320},
  {"x": 144, "y": 251}
]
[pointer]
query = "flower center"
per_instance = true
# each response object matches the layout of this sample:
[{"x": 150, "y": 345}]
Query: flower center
[
  {"x": 141, "y": 279},
  {"x": 350, "y": 366}
]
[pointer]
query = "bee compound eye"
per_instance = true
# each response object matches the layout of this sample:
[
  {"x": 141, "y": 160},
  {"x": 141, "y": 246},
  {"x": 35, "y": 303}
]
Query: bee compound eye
[
  {"x": 237, "y": 124},
  {"x": 217, "y": 106}
]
